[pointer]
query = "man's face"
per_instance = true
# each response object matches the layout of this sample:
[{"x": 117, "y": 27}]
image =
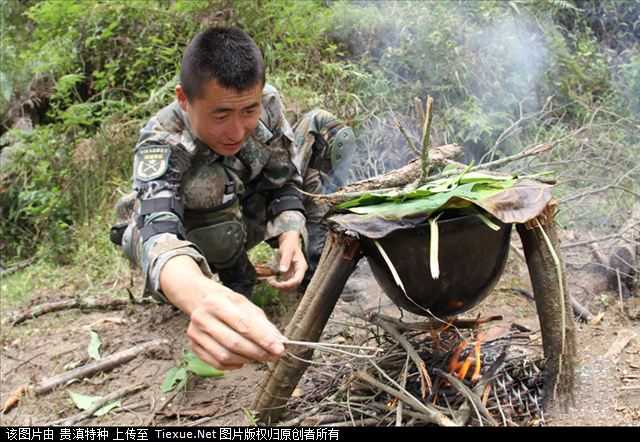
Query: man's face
[{"x": 223, "y": 118}]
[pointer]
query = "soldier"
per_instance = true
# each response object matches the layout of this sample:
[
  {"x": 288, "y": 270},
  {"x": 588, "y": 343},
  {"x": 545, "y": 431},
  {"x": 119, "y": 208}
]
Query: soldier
[{"x": 216, "y": 172}]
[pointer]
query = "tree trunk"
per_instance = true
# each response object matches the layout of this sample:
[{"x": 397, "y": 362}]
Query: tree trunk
[
  {"x": 339, "y": 258},
  {"x": 552, "y": 303}
]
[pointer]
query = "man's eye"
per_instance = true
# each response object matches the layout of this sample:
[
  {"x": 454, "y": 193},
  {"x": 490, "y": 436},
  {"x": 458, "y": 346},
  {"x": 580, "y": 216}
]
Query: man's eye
[
  {"x": 250, "y": 111},
  {"x": 219, "y": 117}
]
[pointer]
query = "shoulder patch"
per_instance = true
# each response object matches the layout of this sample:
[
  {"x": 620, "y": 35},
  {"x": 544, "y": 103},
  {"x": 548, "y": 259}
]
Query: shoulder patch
[{"x": 151, "y": 162}]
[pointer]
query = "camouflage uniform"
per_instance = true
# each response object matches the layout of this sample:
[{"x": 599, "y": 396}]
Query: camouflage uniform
[{"x": 188, "y": 200}]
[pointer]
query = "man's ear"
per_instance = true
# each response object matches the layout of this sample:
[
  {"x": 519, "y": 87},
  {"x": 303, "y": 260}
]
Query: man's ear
[{"x": 181, "y": 97}]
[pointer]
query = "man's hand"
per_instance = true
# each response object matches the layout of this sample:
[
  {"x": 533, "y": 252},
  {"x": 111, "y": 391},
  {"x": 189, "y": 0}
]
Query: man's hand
[
  {"x": 293, "y": 264},
  {"x": 226, "y": 329}
]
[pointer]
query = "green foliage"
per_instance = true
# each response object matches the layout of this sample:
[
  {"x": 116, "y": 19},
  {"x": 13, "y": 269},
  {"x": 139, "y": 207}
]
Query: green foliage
[
  {"x": 262, "y": 253},
  {"x": 263, "y": 294},
  {"x": 93, "y": 349},
  {"x": 479, "y": 60},
  {"x": 86, "y": 402},
  {"x": 629, "y": 84},
  {"x": 17, "y": 287},
  {"x": 38, "y": 206},
  {"x": 459, "y": 191},
  {"x": 111, "y": 62},
  {"x": 196, "y": 366},
  {"x": 301, "y": 58},
  {"x": 177, "y": 377}
]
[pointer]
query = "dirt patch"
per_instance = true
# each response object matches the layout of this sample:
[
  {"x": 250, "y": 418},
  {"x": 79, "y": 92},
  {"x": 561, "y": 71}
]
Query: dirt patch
[
  {"x": 608, "y": 374},
  {"x": 51, "y": 344}
]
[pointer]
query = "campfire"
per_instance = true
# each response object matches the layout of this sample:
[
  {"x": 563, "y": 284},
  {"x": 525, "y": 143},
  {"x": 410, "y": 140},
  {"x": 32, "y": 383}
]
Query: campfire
[{"x": 424, "y": 373}]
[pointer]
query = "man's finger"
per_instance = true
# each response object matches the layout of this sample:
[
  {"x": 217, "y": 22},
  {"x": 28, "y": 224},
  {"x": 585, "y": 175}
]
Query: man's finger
[
  {"x": 224, "y": 342},
  {"x": 283, "y": 285},
  {"x": 286, "y": 256},
  {"x": 256, "y": 328},
  {"x": 230, "y": 351},
  {"x": 300, "y": 266},
  {"x": 209, "y": 359}
]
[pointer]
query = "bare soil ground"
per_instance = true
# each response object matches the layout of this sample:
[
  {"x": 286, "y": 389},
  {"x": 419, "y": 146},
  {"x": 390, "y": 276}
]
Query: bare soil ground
[{"x": 608, "y": 391}]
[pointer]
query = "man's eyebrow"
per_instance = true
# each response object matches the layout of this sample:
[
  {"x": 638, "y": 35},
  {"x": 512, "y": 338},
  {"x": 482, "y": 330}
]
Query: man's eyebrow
[
  {"x": 221, "y": 110},
  {"x": 252, "y": 106}
]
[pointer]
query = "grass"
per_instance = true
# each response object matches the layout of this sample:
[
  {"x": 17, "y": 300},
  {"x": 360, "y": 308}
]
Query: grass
[
  {"x": 18, "y": 287},
  {"x": 95, "y": 268}
]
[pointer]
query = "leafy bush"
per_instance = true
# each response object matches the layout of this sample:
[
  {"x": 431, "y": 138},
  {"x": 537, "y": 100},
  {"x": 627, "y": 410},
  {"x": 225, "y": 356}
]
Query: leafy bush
[{"x": 111, "y": 62}]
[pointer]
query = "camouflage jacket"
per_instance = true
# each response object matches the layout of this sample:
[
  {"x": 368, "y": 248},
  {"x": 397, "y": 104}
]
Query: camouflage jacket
[{"x": 175, "y": 174}]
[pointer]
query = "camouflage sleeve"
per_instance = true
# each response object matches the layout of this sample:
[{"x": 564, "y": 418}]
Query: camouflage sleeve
[
  {"x": 161, "y": 159},
  {"x": 282, "y": 175},
  {"x": 289, "y": 220}
]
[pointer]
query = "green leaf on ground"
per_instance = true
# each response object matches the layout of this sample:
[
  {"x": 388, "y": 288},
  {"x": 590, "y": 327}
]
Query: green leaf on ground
[
  {"x": 94, "y": 346},
  {"x": 175, "y": 378},
  {"x": 86, "y": 402},
  {"x": 199, "y": 367}
]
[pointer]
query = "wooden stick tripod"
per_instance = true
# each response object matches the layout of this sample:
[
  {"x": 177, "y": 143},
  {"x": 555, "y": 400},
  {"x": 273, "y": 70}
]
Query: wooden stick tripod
[{"x": 339, "y": 259}]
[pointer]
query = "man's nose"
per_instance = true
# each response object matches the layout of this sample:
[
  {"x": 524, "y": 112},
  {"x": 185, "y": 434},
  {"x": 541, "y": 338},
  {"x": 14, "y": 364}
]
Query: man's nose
[{"x": 236, "y": 130}]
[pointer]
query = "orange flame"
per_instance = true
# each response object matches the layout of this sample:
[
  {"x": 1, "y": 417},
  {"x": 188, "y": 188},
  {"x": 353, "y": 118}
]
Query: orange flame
[{"x": 460, "y": 368}]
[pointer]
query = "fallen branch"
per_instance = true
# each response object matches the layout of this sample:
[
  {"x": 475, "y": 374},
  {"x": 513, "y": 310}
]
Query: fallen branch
[
  {"x": 204, "y": 420},
  {"x": 84, "y": 304},
  {"x": 430, "y": 414},
  {"x": 624, "y": 337},
  {"x": 472, "y": 397},
  {"x": 105, "y": 364},
  {"x": 618, "y": 235},
  {"x": 436, "y": 325},
  {"x": 300, "y": 418},
  {"x": 19, "y": 266},
  {"x": 72, "y": 420},
  {"x": 579, "y": 310},
  {"x": 411, "y": 173},
  {"x": 425, "y": 379},
  {"x": 370, "y": 421},
  {"x": 399, "y": 407},
  {"x": 162, "y": 406},
  {"x": 615, "y": 184}
]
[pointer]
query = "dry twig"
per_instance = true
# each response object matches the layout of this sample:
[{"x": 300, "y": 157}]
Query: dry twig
[{"x": 104, "y": 364}]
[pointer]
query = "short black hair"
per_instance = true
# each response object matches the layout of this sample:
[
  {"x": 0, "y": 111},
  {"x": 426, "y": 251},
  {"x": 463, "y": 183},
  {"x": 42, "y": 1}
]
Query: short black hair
[{"x": 225, "y": 54}]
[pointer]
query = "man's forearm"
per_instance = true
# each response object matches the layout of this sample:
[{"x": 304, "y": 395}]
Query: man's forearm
[{"x": 183, "y": 283}]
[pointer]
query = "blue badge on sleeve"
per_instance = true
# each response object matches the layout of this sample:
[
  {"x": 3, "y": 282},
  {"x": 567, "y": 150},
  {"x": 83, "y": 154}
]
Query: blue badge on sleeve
[{"x": 151, "y": 162}]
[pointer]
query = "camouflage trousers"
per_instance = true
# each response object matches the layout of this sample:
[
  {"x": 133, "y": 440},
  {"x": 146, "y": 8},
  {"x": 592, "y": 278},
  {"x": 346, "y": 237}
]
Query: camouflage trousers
[{"x": 315, "y": 145}]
